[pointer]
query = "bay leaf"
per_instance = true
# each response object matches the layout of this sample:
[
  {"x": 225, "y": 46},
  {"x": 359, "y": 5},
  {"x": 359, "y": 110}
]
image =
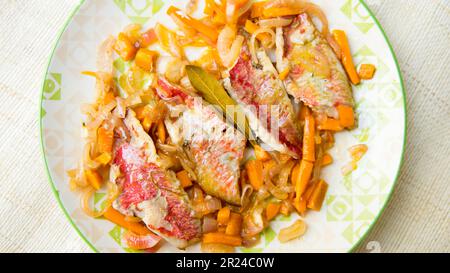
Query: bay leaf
[{"x": 214, "y": 93}]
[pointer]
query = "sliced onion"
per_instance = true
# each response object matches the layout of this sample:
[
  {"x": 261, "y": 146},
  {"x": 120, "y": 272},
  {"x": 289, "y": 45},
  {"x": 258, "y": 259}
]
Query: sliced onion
[
  {"x": 208, "y": 205},
  {"x": 285, "y": 171},
  {"x": 292, "y": 232},
  {"x": 229, "y": 46},
  {"x": 209, "y": 224},
  {"x": 87, "y": 194},
  {"x": 247, "y": 191},
  {"x": 253, "y": 41},
  {"x": 140, "y": 242},
  {"x": 88, "y": 162},
  {"x": 274, "y": 22},
  {"x": 105, "y": 56}
]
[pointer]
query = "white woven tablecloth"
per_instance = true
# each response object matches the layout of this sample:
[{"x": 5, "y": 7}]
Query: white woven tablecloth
[{"x": 416, "y": 219}]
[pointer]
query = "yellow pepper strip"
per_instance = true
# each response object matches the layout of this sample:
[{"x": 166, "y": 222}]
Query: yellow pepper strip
[
  {"x": 221, "y": 238},
  {"x": 347, "y": 61},
  {"x": 184, "y": 178},
  {"x": 94, "y": 178},
  {"x": 315, "y": 201},
  {"x": 255, "y": 173},
  {"x": 309, "y": 143},
  {"x": 234, "y": 225}
]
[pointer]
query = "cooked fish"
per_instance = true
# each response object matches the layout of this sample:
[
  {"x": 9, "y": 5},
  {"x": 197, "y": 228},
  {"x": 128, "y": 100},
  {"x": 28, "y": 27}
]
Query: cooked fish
[
  {"x": 215, "y": 147},
  {"x": 265, "y": 102},
  {"x": 150, "y": 192},
  {"x": 316, "y": 76}
]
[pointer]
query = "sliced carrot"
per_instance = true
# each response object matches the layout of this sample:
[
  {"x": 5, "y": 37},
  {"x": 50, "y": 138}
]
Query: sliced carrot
[
  {"x": 302, "y": 205},
  {"x": 124, "y": 47},
  {"x": 315, "y": 201},
  {"x": 184, "y": 178},
  {"x": 272, "y": 210},
  {"x": 234, "y": 225},
  {"x": 223, "y": 216},
  {"x": 330, "y": 124},
  {"x": 119, "y": 219},
  {"x": 161, "y": 132},
  {"x": 94, "y": 178},
  {"x": 302, "y": 180},
  {"x": 309, "y": 143},
  {"x": 327, "y": 160},
  {"x": 367, "y": 71},
  {"x": 347, "y": 60},
  {"x": 284, "y": 74},
  {"x": 255, "y": 173},
  {"x": 281, "y": 11},
  {"x": 221, "y": 238},
  {"x": 104, "y": 158},
  {"x": 261, "y": 154},
  {"x": 295, "y": 173},
  {"x": 258, "y": 9},
  {"x": 145, "y": 58},
  {"x": 346, "y": 116},
  {"x": 148, "y": 38},
  {"x": 105, "y": 140}
]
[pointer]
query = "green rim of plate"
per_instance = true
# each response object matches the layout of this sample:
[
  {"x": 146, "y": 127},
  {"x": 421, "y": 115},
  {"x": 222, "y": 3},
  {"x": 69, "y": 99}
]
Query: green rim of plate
[{"x": 86, "y": 240}]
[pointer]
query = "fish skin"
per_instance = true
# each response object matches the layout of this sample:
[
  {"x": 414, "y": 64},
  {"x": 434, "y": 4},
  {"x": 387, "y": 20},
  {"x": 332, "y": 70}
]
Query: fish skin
[
  {"x": 257, "y": 86},
  {"x": 146, "y": 188},
  {"x": 215, "y": 147},
  {"x": 323, "y": 93}
]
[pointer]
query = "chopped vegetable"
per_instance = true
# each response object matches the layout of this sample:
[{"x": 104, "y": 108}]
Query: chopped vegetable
[
  {"x": 223, "y": 216},
  {"x": 161, "y": 132},
  {"x": 309, "y": 143},
  {"x": 347, "y": 61},
  {"x": 315, "y": 201},
  {"x": 346, "y": 116},
  {"x": 105, "y": 140},
  {"x": 261, "y": 154},
  {"x": 293, "y": 232},
  {"x": 255, "y": 173},
  {"x": 221, "y": 238},
  {"x": 258, "y": 9},
  {"x": 283, "y": 75},
  {"x": 94, "y": 178},
  {"x": 265, "y": 38},
  {"x": 272, "y": 210},
  {"x": 302, "y": 180},
  {"x": 140, "y": 242},
  {"x": 124, "y": 47},
  {"x": 145, "y": 58},
  {"x": 234, "y": 225},
  {"x": 168, "y": 41},
  {"x": 281, "y": 11},
  {"x": 216, "y": 248},
  {"x": 184, "y": 178},
  {"x": 358, "y": 151},
  {"x": 330, "y": 124},
  {"x": 148, "y": 38},
  {"x": 366, "y": 71},
  {"x": 119, "y": 219},
  {"x": 285, "y": 208},
  {"x": 349, "y": 168},
  {"x": 104, "y": 158},
  {"x": 327, "y": 160}
]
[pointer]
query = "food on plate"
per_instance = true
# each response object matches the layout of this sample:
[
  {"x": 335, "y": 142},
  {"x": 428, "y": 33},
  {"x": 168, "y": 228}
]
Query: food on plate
[{"x": 211, "y": 130}]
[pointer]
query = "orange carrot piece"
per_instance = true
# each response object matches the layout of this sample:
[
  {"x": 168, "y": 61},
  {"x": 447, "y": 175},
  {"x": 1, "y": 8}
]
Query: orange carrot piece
[
  {"x": 347, "y": 61},
  {"x": 124, "y": 47},
  {"x": 284, "y": 74},
  {"x": 315, "y": 201},
  {"x": 223, "y": 216},
  {"x": 295, "y": 173},
  {"x": 119, "y": 219},
  {"x": 326, "y": 160},
  {"x": 330, "y": 124},
  {"x": 258, "y": 9},
  {"x": 234, "y": 225},
  {"x": 272, "y": 210},
  {"x": 255, "y": 173},
  {"x": 221, "y": 238},
  {"x": 302, "y": 180},
  {"x": 281, "y": 11},
  {"x": 104, "y": 158},
  {"x": 198, "y": 25},
  {"x": 184, "y": 178},
  {"x": 144, "y": 59},
  {"x": 346, "y": 116},
  {"x": 148, "y": 38},
  {"x": 161, "y": 132},
  {"x": 367, "y": 71},
  {"x": 309, "y": 143},
  {"x": 105, "y": 140}
]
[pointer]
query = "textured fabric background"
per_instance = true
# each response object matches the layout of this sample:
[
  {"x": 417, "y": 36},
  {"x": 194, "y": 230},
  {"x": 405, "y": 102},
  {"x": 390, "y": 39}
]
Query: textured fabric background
[{"x": 416, "y": 219}]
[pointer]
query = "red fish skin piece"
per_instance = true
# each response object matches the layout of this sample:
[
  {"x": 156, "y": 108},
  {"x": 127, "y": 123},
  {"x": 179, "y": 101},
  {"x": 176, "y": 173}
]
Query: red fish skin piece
[
  {"x": 213, "y": 155},
  {"x": 145, "y": 181},
  {"x": 254, "y": 87},
  {"x": 321, "y": 94}
]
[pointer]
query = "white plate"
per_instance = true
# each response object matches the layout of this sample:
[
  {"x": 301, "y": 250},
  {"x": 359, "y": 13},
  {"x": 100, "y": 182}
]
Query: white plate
[{"x": 353, "y": 203}]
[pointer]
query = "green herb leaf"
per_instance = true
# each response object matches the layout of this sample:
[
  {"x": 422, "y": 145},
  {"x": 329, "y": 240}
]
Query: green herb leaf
[{"x": 214, "y": 93}]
